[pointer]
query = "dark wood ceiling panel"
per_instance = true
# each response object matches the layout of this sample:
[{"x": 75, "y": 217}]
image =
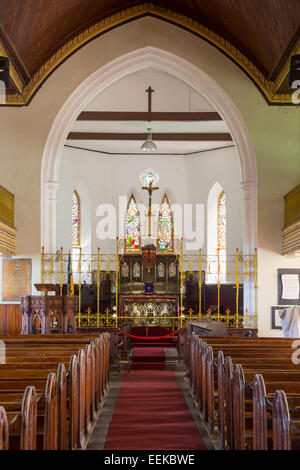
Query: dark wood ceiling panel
[
  {"x": 38, "y": 28},
  {"x": 264, "y": 34},
  {"x": 262, "y": 29}
]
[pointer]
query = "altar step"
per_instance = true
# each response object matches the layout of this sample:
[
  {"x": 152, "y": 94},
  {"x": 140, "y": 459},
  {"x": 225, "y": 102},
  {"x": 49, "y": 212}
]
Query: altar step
[
  {"x": 150, "y": 331},
  {"x": 145, "y": 358},
  {"x": 153, "y": 344},
  {"x": 157, "y": 333},
  {"x": 148, "y": 366}
]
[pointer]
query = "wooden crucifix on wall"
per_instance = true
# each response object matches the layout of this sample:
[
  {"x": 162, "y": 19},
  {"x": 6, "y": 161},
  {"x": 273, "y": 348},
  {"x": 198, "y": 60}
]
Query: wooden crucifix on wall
[
  {"x": 149, "y": 91},
  {"x": 150, "y": 190}
]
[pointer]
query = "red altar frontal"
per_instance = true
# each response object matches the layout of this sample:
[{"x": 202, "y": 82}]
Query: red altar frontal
[{"x": 150, "y": 309}]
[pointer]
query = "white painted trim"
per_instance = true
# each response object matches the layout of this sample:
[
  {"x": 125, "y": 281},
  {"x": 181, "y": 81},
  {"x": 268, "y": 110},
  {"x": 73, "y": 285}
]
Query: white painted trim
[{"x": 110, "y": 73}]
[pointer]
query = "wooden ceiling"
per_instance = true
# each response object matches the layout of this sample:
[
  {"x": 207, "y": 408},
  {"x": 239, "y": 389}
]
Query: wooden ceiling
[{"x": 266, "y": 32}]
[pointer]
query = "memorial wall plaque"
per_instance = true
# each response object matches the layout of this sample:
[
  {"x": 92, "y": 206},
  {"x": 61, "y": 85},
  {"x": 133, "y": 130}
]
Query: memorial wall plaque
[
  {"x": 288, "y": 286},
  {"x": 16, "y": 279}
]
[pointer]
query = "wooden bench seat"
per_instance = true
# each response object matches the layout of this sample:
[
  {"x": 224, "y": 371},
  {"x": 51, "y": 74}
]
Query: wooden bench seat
[
  {"x": 78, "y": 373},
  {"x": 225, "y": 388}
]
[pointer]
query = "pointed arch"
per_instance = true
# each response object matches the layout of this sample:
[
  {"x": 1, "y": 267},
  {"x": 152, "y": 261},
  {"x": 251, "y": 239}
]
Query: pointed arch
[
  {"x": 197, "y": 79},
  {"x": 216, "y": 230},
  {"x": 221, "y": 221},
  {"x": 132, "y": 227},
  {"x": 76, "y": 219},
  {"x": 165, "y": 241}
]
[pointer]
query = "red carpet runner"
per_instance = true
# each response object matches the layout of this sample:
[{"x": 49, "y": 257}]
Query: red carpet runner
[
  {"x": 151, "y": 412},
  {"x": 148, "y": 358}
]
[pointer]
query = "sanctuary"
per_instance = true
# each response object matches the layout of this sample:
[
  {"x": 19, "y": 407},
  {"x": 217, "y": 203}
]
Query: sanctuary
[{"x": 149, "y": 227}]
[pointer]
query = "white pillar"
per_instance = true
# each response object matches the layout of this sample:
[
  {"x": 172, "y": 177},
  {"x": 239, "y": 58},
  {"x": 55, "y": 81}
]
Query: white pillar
[
  {"x": 249, "y": 238},
  {"x": 49, "y": 206}
]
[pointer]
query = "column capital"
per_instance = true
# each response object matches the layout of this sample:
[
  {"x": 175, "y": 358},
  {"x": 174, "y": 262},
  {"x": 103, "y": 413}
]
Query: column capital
[
  {"x": 247, "y": 188},
  {"x": 52, "y": 188}
]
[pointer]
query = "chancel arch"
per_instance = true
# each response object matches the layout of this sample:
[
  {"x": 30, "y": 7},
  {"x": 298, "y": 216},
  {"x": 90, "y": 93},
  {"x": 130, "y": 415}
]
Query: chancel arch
[
  {"x": 109, "y": 73},
  {"x": 122, "y": 67}
]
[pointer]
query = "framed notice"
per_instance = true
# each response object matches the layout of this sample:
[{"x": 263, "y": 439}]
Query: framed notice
[
  {"x": 275, "y": 318},
  {"x": 16, "y": 279},
  {"x": 288, "y": 286}
]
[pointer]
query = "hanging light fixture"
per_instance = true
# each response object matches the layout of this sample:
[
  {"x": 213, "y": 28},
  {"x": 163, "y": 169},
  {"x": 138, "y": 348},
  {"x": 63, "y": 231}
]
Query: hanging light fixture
[{"x": 149, "y": 145}]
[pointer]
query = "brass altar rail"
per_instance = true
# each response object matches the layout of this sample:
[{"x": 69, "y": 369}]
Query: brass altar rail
[
  {"x": 219, "y": 268},
  {"x": 233, "y": 321}
]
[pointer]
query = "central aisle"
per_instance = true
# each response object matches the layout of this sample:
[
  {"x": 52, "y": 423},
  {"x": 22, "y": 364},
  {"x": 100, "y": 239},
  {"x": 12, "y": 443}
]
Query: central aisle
[{"x": 151, "y": 412}]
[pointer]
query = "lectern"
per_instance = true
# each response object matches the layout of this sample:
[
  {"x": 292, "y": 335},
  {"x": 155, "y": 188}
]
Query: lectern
[{"x": 46, "y": 314}]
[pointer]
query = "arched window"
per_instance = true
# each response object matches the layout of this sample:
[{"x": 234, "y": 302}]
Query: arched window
[
  {"x": 165, "y": 241},
  {"x": 76, "y": 219},
  {"x": 221, "y": 228},
  {"x": 133, "y": 235}
]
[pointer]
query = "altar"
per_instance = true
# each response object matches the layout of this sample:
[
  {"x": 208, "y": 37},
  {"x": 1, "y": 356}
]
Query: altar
[
  {"x": 149, "y": 279},
  {"x": 148, "y": 310}
]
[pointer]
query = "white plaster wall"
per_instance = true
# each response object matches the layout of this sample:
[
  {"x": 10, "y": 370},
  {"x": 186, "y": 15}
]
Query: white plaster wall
[
  {"x": 274, "y": 130},
  {"x": 185, "y": 179},
  {"x": 220, "y": 166},
  {"x": 169, "y": 94}
]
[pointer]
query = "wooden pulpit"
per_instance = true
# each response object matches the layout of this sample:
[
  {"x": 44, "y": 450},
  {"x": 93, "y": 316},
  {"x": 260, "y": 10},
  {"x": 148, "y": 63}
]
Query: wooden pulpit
[{"x": 46, "y": 314}]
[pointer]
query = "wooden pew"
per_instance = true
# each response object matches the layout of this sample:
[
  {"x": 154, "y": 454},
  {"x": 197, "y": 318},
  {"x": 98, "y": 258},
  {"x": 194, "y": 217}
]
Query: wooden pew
[
  {"x": 3, "y": 429},
  {"x": 264, "y": 404},
  {"x": 212, "y": 378},
  {"x": 47, "y": 418},
  {"x": 22, "y": 424},
  {"x": 263, "y": 408},
  {"x": 236, "y": 379},
  {"x": 88, "y": 374},
  {"x": 242, "y": 398}
]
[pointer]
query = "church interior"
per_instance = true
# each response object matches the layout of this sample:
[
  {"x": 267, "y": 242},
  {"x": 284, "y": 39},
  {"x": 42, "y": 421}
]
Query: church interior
[{"x": 149, "y": 225}]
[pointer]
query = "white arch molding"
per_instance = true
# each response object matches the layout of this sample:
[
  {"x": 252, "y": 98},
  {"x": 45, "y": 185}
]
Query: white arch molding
[
  {"x": 212, "y": 217},
  {"x": 114, "y": 71}
]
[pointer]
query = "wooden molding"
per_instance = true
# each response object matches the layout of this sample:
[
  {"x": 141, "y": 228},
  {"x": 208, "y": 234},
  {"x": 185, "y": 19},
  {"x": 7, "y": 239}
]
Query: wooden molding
[
  {"x": 10, "y": 319},
  {"x": 145, "y": 116},
  {"x": 267, "y": 87},
  {"x": 180, "y": 136}
]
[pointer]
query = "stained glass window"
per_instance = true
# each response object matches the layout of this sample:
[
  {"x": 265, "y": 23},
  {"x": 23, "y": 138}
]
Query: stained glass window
[
  {"x": 133, "y": 242},
  {"x": 165, "y": 227},
  {"x": 149, "y": 178},
  {"x": 222, "y": 221},
  {"x": 75, "y": 219}
]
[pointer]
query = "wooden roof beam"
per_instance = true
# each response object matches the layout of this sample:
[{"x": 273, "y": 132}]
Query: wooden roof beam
[{"x": 178, "y": 136}]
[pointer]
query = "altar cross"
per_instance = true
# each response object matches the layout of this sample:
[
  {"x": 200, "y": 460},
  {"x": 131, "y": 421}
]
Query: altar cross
[{"x": 150, "y": 190}]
